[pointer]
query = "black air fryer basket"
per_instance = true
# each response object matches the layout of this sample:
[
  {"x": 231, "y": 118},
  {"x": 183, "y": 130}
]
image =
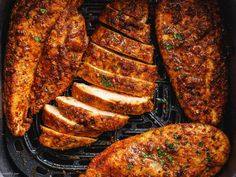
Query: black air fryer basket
[{"x": 26, "y": 157}]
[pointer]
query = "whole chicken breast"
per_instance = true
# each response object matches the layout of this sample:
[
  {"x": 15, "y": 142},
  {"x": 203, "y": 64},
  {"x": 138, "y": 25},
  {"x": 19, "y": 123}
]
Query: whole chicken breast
[{"x": 187, "y": 150}]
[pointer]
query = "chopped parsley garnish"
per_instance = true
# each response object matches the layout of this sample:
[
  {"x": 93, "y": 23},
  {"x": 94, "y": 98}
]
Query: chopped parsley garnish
[
  {"x": 120, "y": 12},
  {"x": 169, "y": 158},
  {"x": 198, "y": 152},
  {"x": 116, "y": 38},
  {"x": 208, "y": 157},
  {"x": 177, "y": 68},
  {"x": 105, "y": 81},
  {"x": 43, "y": 10},
  {"x": 169, "y": 46},
  {"x": 171, "y": 146},
  {"x": 162, "y": 162},
  {"x": 130, "y": 166},
  {"x": 160, "y": 152},
  {"x": 146, "y": 155},
  {"x": 200, "y": 144},
  {"x": 161, "y": 132},
  {"x": 177, "y": 137},
  {"x": 178, "y": 36},
  {"x": 38, "y": 39}
]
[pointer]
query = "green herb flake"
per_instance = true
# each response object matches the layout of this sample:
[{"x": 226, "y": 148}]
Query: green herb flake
[
  {"x": 120, "y": 12},
  {"x": 200, "y": 144},
  {"x": 105, "y": 81},
  {"x": 43, "y": 10},
  {"x": 169, "y": 46},
  {"x": 177, "y": 137},
  {"x": 169, "y": 158},
  {"x": 146, "y": 155},
  {"x": 178, "y": 36},
  {"x": 38, "y": 39},
  {"x": 171, "y": 146},
  {"x": 198, "y": 152},
  {"x": 160, "y": 152},
  {"x": 130, "y": 166},
  {"x": 161, "y": 132},
  {"x": 116, "y": 38},
  {"x": 162, "y": 162},
  {"x": 208, "y": 157}
]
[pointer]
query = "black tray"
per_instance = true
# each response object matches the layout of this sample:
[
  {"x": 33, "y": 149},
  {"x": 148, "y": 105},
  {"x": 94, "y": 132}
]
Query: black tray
[{"x": 25, "y": 157}]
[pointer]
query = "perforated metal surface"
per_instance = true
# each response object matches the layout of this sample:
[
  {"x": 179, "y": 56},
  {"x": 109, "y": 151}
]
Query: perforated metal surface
[{"x": 34, "y": 160}]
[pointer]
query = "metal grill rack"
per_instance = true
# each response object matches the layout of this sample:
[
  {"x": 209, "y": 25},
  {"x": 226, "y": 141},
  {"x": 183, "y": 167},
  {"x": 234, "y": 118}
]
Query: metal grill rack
[{"x": 34, "y": 160}]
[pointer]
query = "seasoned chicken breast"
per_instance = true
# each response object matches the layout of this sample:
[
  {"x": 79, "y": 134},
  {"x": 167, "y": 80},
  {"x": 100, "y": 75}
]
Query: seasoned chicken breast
[
  {"x": 111, "y": 101},
  {"x": 89, "y": 116},
  {"x": 188, "y": 150},
  {"x": 31, "y": 22},
  {"x": 128, "y": 25},
  {"x": 60, "y": 141},
  {"x": 190, "y": 39},
  {"x": 62, "y": 53},
  {"x": 118, "y": 64},
  {"x": 134, "y": 8},
  {"x": 118, "y": 83},
  {"x": 53, "y": 118},
  {"x": 119, "y": 43}
]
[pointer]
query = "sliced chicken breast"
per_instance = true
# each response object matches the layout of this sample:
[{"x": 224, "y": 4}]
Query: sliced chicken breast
[
  {"x": 89, "y": 116},
  {"x": 125, "y": 24},
  {"x": 119, "y": 43},
  {"x": 60, "y": 141},
  {"x": 107, "y": 60},
  {"x": 53, "y": 118},
  {"x": 110, "y": 81},
  {"x": 111, "y": 101}
]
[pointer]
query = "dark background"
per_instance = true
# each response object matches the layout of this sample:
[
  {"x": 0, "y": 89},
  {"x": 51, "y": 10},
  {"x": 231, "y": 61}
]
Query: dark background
[{"x": 228, "y": 8}]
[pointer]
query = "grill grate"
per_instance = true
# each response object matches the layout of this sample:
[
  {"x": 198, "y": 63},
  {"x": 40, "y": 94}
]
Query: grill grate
[{"x": 34, "y": 160}]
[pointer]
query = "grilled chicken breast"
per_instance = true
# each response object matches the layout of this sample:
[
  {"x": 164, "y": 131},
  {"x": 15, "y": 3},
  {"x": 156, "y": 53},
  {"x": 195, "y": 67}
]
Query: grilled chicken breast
[
  {"x": 118, "y": 64},
  {"x": 190, "y": 38},
  {"x": 111, "y": 101},
  {"x": 128, "y": 25},
  {"x": 53, "y": 118},
  {"x": 134, "y": 8},
  {"x": 89, "y": 116},
  {"x": 31, "y": 22},
  {"x": 59, "y": 141},
  {"x": 63, "y": 51},
  {"x": 119, "y": 43},
  {"x": 187, "y": 150},
  {"x": 110, "y": 81}
]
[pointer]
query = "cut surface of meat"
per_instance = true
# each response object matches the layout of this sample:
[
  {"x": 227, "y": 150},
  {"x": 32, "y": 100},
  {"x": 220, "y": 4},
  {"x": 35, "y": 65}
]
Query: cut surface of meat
[
  {"x": 118, "y": 83},
  {"x": 90, "y": 116},
  {"x": 60, "y": 141},
  {"x": 53, "y": 118},
  {"x": 111, "y": 101},
  {"x": 174, "y": 150}
]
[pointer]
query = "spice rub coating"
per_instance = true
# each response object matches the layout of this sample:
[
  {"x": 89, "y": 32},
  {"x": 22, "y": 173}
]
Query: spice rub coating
[
  {"x": 126, "y": 46},
  {"x": 190, "y": 39},
  {"x": 188, "y": 150},
  {"x": 31, "y": 22}
]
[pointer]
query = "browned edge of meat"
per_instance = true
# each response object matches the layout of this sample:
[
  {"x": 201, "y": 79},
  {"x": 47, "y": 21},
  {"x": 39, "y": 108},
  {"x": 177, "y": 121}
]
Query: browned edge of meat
[
  {"x": 126, "y": 24},
  {"x": 127, "y": 105},
  {"x": 134, "y": 8},
  {"x": 60, "y": 61},
  {"x": 178, "y": 149},
  {"x": 89, "y": 116},
  {"x": 60, "y": 141},
  {"x": 30, "y": 24},
  {"x": 53, "y": 118},
  {"x": 117, "y": 83},
  {"x": 190, "y": 37},
  {"x": 126, "y": 46},
  {"x": 107, "y": 60}
]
